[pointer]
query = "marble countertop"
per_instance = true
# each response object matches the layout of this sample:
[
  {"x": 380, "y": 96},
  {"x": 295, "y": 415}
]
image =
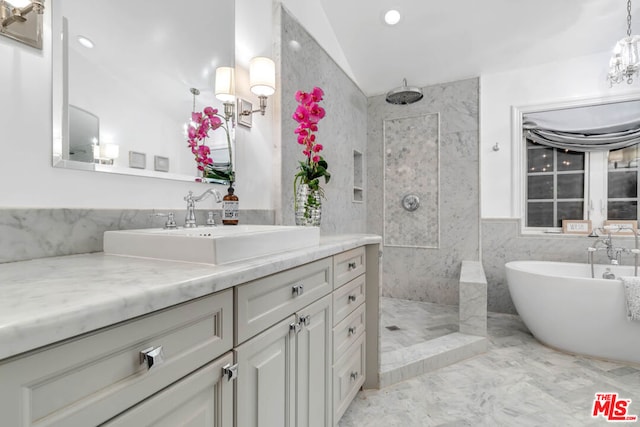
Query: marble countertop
[{"x": 46, "y": 300}]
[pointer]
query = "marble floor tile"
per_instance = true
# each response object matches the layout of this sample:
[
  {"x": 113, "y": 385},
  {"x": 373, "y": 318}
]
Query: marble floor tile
[{"x": 517, "y": 382}]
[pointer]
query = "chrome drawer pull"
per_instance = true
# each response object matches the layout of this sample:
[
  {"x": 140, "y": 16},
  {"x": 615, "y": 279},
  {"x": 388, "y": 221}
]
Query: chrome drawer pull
[
  {"x": 352, "y": 330},
  {"x": 354, "y": 376},
  {"x": 297, "y": 290},
  {"x": 352, "y": 266},
  {"x": 152, "y": 356},
  {"x": 352, "y": 298}
]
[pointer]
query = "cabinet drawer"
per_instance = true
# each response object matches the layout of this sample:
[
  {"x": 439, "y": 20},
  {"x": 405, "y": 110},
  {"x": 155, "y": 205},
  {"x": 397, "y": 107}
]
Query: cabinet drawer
[
  {"x": 88, "y": 380},
  {"x": 348, "y": 377},
  {"x": 347, "y": 298},
  {"x": 347, "y": 331},
  {"x": 264, "y": 302},
  {"x": 348, "y": 265}
]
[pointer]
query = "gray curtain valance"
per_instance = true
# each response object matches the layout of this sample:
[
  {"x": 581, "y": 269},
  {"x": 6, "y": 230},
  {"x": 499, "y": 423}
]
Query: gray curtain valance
[{"x": 601, "y": 127}]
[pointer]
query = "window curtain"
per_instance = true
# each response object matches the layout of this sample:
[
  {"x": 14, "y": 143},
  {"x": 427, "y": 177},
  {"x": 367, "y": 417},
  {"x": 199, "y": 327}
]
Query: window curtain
[{"x": 600, "y": 127}]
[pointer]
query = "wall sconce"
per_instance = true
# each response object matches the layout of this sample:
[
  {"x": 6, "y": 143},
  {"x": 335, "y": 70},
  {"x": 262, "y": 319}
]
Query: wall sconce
[
  {"x": 262, "y": 81},
  {"x": 105, "y": 153},
  {"x": 21, "y": 20},
  {"x": 225, "y": 89}
]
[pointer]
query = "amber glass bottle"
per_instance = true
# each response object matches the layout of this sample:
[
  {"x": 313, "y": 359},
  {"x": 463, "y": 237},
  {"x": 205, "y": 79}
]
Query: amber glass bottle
[{"x": 230, "y": 206}]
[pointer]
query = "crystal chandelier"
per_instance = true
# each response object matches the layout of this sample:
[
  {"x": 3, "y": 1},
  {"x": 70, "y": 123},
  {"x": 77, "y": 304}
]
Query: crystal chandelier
[{"x": 625, "y": 62}]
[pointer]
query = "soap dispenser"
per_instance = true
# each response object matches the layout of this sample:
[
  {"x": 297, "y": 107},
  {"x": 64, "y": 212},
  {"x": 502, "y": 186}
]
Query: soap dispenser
[{"x": 230, "y": 206}]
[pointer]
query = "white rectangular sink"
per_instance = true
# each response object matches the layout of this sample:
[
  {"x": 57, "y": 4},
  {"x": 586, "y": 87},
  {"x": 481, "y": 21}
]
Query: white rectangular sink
[{"x": 211, "y": 245}]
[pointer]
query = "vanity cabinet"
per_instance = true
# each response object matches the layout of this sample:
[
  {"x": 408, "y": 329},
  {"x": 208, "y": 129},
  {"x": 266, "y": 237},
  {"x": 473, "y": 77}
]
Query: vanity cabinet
[
  {"x": 88, "y": 380},
  {"x": 349, "y": 327},
  {"x": 285, "y": 371},
  {"x": 285, "y": 350}
]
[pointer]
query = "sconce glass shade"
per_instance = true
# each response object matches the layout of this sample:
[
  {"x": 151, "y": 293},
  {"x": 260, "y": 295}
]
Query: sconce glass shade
[
  {"x": 19, "y": 3},
  {"x": 262, "y": 76},
  {"x": 109, "y": 151},
  {"x": 225, "y": 84}
]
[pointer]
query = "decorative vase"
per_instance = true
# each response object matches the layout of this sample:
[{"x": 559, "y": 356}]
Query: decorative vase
[{"x": 308, "y": 206}]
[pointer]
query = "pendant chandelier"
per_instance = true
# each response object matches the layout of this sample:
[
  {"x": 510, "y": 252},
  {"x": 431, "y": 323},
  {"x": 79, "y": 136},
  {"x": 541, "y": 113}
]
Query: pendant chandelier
[{"x": 625, "y": 62}]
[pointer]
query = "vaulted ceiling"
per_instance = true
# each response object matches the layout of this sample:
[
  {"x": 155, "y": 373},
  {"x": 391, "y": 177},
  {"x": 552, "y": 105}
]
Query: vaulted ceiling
[{"x": 440, "y": 41}]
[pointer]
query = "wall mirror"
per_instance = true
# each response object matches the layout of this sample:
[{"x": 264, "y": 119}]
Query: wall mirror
[{"x": 122, "y": 77}]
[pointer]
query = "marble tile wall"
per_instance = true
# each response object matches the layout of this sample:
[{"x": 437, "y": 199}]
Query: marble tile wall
[
  {"x": 37, "y": 233},
  {"x": 502, "y": 242},
  {"x": 304, "y": 64},
  {"x": 425, "y": 274},
  {"x": 411, "y": 168}
]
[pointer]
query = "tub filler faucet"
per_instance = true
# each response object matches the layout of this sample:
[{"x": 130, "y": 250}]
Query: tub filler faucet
[
  {"x": 613, "y": 253},
  {"x": 190, "y": 219}
]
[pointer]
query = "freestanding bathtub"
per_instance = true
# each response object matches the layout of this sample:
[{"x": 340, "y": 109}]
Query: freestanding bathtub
[{"x": 566, "y": 309}]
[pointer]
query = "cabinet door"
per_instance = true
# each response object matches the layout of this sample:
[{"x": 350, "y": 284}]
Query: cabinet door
[
  {"x": 266, "y": 378},
  {"x": 313, "y": 360},
  {"x": 202, "y": 399}
]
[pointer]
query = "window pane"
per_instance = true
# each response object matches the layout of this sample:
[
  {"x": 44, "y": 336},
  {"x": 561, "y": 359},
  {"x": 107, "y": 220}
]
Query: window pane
[
  {"x": 624, "y": 158},
  {"x": 622, "y": 210},
  {"x": 540, "y": 160},
  {"x": 571, "y": 186},
  {"x": 540, "y": 187},
  {"x": 569, "y": 210},
  {"x": 540, "y": 214},
  {"x": 623, "y": 184},
  {"x": 570, "y": 160}
]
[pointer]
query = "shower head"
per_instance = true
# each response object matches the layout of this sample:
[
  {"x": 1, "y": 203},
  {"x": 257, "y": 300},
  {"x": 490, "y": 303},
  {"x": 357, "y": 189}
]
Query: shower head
[{"x": 404, "y": 94}]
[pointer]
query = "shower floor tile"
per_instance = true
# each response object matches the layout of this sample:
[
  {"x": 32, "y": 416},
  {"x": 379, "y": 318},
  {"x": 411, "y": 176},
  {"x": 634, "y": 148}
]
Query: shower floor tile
[{"x": 405, "y": 323}]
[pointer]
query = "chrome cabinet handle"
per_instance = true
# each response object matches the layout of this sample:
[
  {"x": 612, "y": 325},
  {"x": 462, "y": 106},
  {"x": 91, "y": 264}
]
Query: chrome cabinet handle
[
  {"x": 305, "y": 320},
  {"x": 297, "y": 290},
  {"x": 352, "y": 330},
  {"x": 152, "y": 356},
  {"x": 295, "y": 327},
  {"x": 230, "y": 372},
  {"x": 352, "y": 298},
  {"x": 352, "y": 266},
  {"x": 354, "y": 376}
]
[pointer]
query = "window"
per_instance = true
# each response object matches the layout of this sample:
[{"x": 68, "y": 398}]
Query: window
[
  {"x": 622, "y": 183},
  {"x": 561, "y": 184},
  {"x": 555, "y": 185}
]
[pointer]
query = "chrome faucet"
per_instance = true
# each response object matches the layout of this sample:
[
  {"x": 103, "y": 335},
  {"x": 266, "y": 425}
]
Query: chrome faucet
[{"x": 190, "y": 219}]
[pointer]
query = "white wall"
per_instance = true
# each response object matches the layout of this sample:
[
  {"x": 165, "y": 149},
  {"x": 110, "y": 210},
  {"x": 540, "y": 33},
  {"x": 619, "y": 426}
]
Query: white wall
[
  {"x": 29, "y": 180},
  {"x": 574, "y": 79}
]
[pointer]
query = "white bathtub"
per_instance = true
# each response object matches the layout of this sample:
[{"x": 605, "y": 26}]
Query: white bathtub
[{"x": 565, "y": 308}]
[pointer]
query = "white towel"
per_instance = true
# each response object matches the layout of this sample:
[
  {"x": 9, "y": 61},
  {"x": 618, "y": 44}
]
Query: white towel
[{"x": 632, "y": 292}]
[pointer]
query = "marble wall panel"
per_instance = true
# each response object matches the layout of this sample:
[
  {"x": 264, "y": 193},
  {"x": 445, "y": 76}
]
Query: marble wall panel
[
  {"x": 37, "y": 233},
  {"x": 304, "y": 64},
  {"x": 502, "y": 242},
  {"x": 432, "y": 274},
  {"x": 411, "y": 147}
]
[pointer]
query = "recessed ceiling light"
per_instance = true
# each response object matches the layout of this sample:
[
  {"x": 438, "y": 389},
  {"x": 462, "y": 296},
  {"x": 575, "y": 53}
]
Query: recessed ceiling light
[
  {"x": 392, "y": 17},
  {"x": 85, "y": 42}
]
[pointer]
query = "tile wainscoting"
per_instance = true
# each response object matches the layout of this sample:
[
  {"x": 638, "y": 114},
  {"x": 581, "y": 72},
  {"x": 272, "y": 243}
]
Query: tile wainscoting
[{"x": 38, "y": 233}]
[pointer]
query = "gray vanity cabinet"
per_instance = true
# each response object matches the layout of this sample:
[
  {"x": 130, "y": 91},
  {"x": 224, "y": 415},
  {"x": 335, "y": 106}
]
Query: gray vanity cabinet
[
  {"x": 88, "y": 380},
  {"x": 285, "y": 371},
  {"x": 285, "y": 350}
]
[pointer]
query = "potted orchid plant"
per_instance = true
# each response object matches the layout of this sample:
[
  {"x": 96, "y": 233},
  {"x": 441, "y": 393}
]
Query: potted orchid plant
[
  {"x": 306, "y": 184},
  {"x": 197, "y": 133}
]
